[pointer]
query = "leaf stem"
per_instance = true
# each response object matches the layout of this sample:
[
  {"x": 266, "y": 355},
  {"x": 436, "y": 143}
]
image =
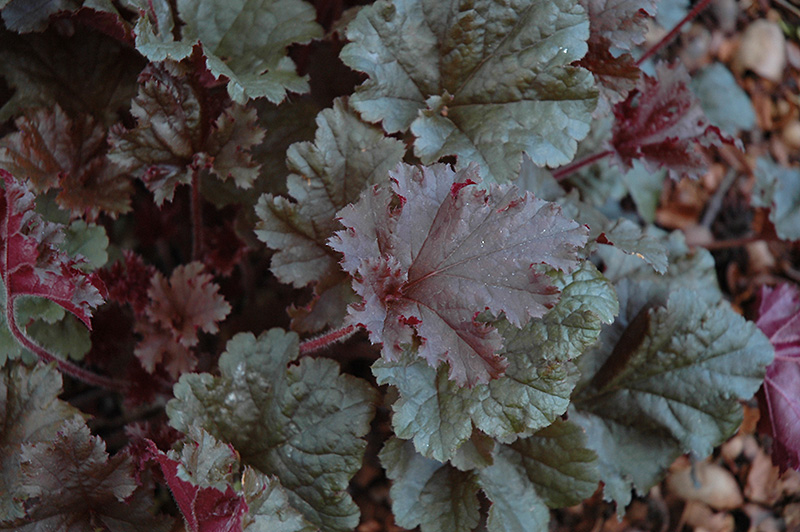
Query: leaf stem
[
  {"x": 700, "y": 6},
  {"x": 564, "y": 171},
  {"x": 197, "y": 217},
  {"x": 64, "y": 366},
  {"x": 321, "y": 342}
]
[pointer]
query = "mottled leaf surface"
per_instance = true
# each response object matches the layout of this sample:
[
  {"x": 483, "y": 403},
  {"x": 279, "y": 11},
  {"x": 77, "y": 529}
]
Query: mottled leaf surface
[
  {"x": 346, "y": 156},
  {"x": 303, "y": 423},
  {"x": 55, "y": 151},
  {"x": 77, "y": 486},
  {"x": 31, "y": 413},
  {"x": 246, "y": 41},
  {"x": 439, "y": 416},
  {"x": 175, "y": 137},
  {"x": 620, "y": 233},
  {"x": 434, "y": 496},
  {"x": 551, "y": 468},
  {"x": 663, "y": 380},
  {"x": 619, "y": 25},
  {"x": 202, "y": 477},
  {"x": 452, "y": 71},
  {"x": 449, "y": 251}
]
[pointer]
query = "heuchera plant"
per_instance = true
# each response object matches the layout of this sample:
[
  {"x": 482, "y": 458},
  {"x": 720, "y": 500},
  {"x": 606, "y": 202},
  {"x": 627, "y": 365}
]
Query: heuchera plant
[{"x": 188, "y": 237}]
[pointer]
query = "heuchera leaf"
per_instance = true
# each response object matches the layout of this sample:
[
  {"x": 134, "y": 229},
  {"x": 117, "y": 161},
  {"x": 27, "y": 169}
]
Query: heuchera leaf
[
  {"x": 451, "y": 71},
  {"x": 732, "y": 113},
  {"x": 778, "y": 399},
  {"x": 621, "y": 233},
  {"x": 662, "y": 124},
  {"x": 617, "y": 24},
  {"x": 153, "y": 30},
  {"x": 302, "y": 424},
  {"x": 246, "y": 40},
  {"x": 622, "y": 22},
  {"x": 434, "y": 496},
  {"x": 30, "y": 412},
  {"x": 44, "y": 321},
  {"x": 663, "y": 380},
  {"x": 551, "y": 468},
  {"x": 440, "y": 416},
  {"x": 448, "y": 251},
  {"x": 778, "y": 189},
  {"x": 30, "y": 262},
  {"x": 201, "y": 478},
  {"x": 83, "y": 72},
  {"x": 346, "y": 156},
  {"x": 175, "y": 136},
  {"x": 54, "y": 151},
  {"x": 177, "y": 310},
  {"x": 77, "y": 486},
  {"x": 204, "y": 509},
  {"x": 19, "y": 15}
]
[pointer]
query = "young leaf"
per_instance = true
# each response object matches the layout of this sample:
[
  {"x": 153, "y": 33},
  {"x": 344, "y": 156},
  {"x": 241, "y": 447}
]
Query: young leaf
[
  {"x": 177, "y": 136},
  {"x": 778, "y": 189},
  {"x": 470, "y": 67},
  {"x": 302, "y": 423},
  {"x": 77, "y": 486},
  {"x": 177, "y": 309},
  {"x": 779, "y": 401},
  {"x": 188, "y": 302},
  {"x": 55, "y": 151},
  {"x": 439, "y": 416},
  {"x": 245, "y": 41},
  {"x": 30, "y": 412},
  {"x": 663, "y": 380},
  {"x": 450, "y": 250},
  {"x": 30, "y": 262},
  {"x": 662, "y": 124},
  {"x": 346, "y": 156}
]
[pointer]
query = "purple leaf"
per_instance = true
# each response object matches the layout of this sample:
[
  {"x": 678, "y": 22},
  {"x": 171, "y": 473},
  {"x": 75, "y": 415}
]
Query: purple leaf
[
  {"x": 429, "y": 258},
  {"x": 662, "y": 124},
  {"x": 779, "y": 400}
]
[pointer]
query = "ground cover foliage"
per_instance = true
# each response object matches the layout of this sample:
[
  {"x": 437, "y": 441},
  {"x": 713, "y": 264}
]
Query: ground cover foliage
[{"x": 275, "y": 265}]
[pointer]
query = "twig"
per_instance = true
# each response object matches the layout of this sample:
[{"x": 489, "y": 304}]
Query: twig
[
  {"x": 700, "y": 6},
  {"x": 715, "y": 204}
]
